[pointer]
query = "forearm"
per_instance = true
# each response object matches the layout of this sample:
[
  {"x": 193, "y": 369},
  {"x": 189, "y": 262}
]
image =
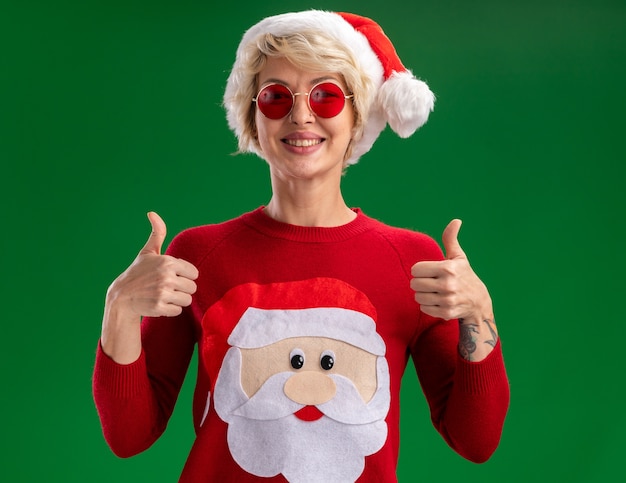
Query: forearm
[
  {"x": 476, "y": 407},
  {"x": 129, "y": 416},
  {"x": 468, "y": 400},
  {"x": 135, "y": 400}
]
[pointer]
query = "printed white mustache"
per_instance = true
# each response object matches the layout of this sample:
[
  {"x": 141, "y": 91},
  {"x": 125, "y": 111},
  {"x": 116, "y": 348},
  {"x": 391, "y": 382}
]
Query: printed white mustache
[{"x": 271, "y": 403}]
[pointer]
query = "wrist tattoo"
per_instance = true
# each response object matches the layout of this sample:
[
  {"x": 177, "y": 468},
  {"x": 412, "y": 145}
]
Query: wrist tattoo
[{"x": 468, "y": 337}]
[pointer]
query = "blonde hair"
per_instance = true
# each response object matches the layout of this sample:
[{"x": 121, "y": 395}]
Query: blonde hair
[{"x": 310, "y": 50}]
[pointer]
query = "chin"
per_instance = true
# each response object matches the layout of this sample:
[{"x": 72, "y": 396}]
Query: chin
[{"x": 307, "y": 168}]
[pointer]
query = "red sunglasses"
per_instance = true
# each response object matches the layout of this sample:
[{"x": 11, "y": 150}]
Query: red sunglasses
[{"x": 325, "y": 99}]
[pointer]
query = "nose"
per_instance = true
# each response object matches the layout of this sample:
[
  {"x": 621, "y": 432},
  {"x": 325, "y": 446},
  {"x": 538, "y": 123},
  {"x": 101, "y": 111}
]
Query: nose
[
  {"x": 310, "y": 388},
  {"x": 300, "y": 112}
]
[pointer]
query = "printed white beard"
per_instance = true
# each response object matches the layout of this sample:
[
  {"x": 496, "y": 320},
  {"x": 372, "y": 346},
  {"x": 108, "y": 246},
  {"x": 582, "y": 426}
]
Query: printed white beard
[{"x": 266, "y": 439}]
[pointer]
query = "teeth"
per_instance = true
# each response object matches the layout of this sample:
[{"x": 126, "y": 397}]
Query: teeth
[{"x": 303, "y": 143}]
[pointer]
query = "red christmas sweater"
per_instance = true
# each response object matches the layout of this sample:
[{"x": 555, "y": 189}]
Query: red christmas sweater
[{"x": 303, "y": 335}]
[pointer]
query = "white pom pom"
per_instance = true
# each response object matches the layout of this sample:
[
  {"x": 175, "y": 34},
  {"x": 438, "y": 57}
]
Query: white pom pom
[{"x": 406, "y": 102}]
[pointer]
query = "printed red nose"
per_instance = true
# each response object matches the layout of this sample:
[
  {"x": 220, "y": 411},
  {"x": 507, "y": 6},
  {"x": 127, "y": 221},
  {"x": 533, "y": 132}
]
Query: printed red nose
[{"x": 309, "y": 413}]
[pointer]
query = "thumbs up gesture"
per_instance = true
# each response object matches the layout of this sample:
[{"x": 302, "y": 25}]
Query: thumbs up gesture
[
  {"x": 449, "y": 288},
  {"x": 154, "y": 284}
]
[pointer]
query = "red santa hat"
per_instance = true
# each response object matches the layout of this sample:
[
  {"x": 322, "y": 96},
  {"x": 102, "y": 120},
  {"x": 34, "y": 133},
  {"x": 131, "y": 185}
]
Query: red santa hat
[
  {"x": 400, "y": 99},
  {"x": 253, "y": 315}
]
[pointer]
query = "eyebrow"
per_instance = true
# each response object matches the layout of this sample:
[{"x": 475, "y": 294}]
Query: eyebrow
[{"x": 313, "y": 81}]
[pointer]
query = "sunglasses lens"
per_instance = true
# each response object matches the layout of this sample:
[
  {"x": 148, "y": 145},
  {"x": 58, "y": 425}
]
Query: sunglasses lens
[
  {"x": 274, "y": 101},
  {"x": 327, "y": 99}
]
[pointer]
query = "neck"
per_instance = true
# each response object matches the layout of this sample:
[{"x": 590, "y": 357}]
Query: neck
[{"x": 312, "y": 205}]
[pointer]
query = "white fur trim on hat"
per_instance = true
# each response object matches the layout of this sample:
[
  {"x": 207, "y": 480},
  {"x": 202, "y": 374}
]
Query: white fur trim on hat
[{"x": 259, "y": 327}]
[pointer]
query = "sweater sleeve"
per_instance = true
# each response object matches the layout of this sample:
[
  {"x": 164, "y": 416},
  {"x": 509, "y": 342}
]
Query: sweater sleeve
[
  {"x": 124, "y": 399},
  {"x": 468, "y": 400},
  {"x": 135, "y": 401}
]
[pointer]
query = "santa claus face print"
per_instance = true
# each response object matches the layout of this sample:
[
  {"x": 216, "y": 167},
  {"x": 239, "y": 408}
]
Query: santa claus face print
[{"x": 310, "y": 407}]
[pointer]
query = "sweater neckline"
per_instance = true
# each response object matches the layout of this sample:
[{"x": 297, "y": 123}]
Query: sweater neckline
[{"x": 261, "y": 222}]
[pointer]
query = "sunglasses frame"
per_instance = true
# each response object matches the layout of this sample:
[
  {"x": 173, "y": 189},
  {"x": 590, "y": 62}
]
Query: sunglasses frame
[{"x": 308, "y": 98}]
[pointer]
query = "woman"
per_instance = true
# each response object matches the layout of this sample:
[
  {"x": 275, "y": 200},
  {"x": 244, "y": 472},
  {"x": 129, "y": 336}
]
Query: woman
[{"x": 304, "y": 310}]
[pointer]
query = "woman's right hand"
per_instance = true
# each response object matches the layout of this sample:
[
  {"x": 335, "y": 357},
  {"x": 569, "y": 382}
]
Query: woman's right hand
[{"x": 153, "y": 285}]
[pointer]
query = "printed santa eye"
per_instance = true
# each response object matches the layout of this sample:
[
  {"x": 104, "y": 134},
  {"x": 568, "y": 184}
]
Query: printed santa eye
[
  {"x": 327, "y": 361},
  {"x": 296, "y": 357}
]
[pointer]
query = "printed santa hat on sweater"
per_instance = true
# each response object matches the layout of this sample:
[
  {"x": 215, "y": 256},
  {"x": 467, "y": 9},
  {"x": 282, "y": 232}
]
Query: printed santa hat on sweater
[
  {"x": 254, "y": 315},
  {"x": 400, "y": 99}
]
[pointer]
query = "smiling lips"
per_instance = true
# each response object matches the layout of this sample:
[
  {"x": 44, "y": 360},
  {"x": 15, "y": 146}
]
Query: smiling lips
[{"x": 302, "y": 143}]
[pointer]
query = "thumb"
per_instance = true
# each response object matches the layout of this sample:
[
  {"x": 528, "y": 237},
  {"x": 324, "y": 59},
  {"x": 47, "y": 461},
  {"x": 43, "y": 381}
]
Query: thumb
[
  {"x": 157, "y": 237},
  {"x": 450, "y": 240}
]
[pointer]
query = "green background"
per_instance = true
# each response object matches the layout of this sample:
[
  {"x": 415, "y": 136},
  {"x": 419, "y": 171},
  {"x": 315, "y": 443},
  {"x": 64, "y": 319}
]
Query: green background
[{"x": 110, "y": 109}]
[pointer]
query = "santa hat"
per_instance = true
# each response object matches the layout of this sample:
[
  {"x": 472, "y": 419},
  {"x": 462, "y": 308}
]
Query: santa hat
[
  {"x": 400, "y": 99},
  {"x": 253, "y": 315}
]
